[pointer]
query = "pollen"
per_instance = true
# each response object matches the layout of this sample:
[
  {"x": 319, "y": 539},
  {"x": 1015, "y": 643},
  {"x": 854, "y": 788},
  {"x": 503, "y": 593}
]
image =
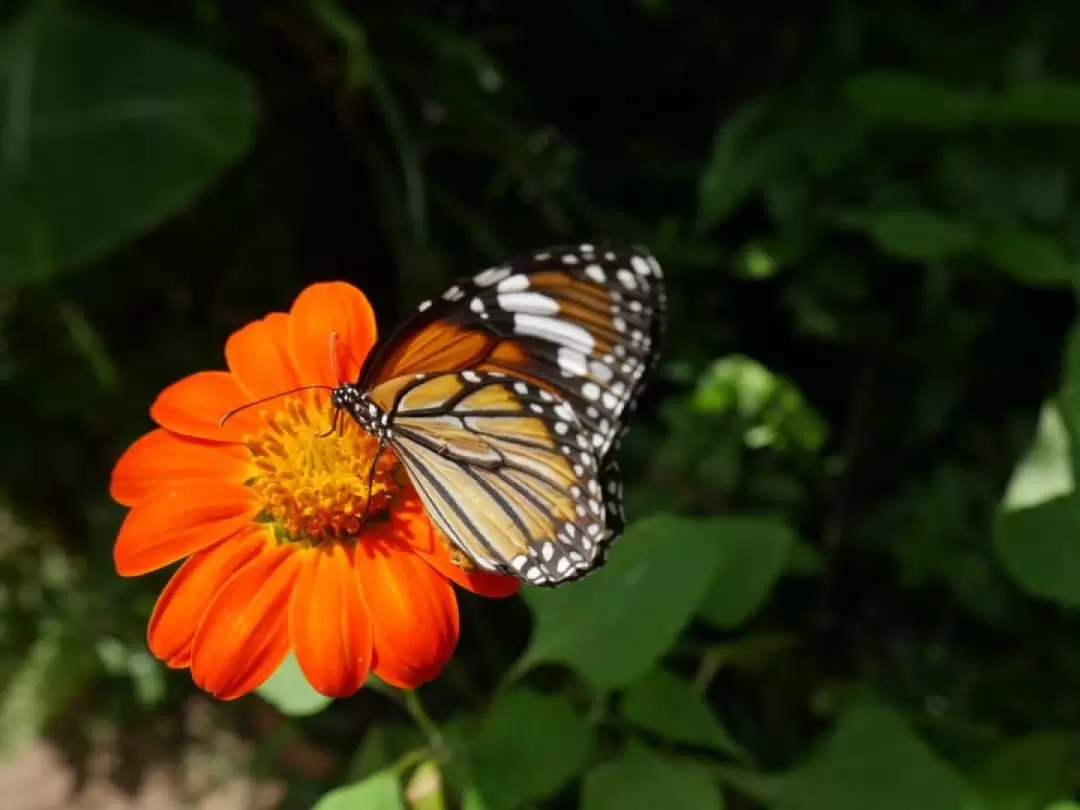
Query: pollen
[{"x": 315, "y": 479}]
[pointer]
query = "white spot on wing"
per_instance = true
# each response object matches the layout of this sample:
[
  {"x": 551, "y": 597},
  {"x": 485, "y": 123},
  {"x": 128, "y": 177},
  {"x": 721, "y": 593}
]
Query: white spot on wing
[
  {"x": 572, "y": 362},
  {"x": 515, "y": 283},
  {"x": 590, "y": 390},
  {"x": 530, "y": 302},
  {"x": 551, "y": 329}
]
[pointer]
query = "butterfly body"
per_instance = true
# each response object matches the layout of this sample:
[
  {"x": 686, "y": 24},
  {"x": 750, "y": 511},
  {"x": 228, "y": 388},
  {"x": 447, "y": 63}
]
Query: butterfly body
[{"x": 505, "y": 398}]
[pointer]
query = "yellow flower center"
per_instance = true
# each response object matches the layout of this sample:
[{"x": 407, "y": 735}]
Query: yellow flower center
[{"x": 318, "y": 485}]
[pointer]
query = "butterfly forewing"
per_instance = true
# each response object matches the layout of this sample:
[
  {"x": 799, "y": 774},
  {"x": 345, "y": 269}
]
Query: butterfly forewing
[
  {"x": 505, "y": 469},
  {"x": 581, "y": 321}
]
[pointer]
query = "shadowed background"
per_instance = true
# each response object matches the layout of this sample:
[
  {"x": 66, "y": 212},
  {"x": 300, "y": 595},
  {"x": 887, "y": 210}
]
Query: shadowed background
[{"x": 850, "y": 483}]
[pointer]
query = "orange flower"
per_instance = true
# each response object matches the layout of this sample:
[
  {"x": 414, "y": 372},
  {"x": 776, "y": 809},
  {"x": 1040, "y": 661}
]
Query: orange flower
[{"x": 269, "y": 512}]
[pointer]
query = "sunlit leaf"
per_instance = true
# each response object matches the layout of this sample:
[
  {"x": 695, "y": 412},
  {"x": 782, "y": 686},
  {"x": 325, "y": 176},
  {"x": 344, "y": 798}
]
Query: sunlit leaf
[
  {"x": 667, "y": 705},
  {"x": 910, "y": 98},
  {"x": 289, "y": 691},
  {"x": 1028, "y": 772},
  {"x": 96, "y": 150},
  {"x": 640, "y": 780},
  {"x": 755, "y": 554},
  {"x": 773, "y": 409},
  {"x": 378, "y": 792},
  {"x": 1031, "y": 257},
  {"x": 529, "y": 747},
  {"x": 613, "y": 626},
  {"x": 1040, "y": 548},
  {"x": 872, "y": 759},
  {"x": 1045, "y": 472},
  {"x": 424, "y": 790}
]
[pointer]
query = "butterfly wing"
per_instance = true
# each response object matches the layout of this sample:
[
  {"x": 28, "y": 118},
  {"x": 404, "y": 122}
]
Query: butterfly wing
[
  {"x": 504, "y": 469},
  {"x": 582, "y": 321}
]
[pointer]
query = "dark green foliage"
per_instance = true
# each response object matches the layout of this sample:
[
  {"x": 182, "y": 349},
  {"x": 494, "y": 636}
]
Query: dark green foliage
[{"x": 852, "y": 570}]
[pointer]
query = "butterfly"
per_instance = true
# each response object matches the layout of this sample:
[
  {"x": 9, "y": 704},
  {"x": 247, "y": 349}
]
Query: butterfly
[{"x": 504, "y": 401}]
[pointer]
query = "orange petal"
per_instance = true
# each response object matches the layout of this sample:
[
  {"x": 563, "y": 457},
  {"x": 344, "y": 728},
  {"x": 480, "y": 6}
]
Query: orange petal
[
  {"x": 413, "y": 610},
  {"x": 319, "y": 311},
  {"x": 258, "y": 356},
  {"x": 411, "y": 524},
  {"x": 194, "y": 407},
  {"x": 244, "y": 635},
  {"x": 178, "y": 521},
  {"x": 160, "y": 458},
  {"x": 329, "y": 623},
  {"x": 181, "y": 606}
]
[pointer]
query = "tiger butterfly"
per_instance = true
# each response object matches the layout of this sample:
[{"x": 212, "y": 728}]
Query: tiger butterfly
[{"x": 505, "y": 398}]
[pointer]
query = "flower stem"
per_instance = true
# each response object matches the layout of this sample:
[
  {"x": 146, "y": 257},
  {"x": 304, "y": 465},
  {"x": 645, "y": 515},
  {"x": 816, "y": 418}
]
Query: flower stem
[{"x": 415, "y": 707}]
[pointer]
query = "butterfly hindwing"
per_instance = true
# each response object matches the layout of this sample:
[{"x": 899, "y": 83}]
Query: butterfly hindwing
[{"x": 505, "y": 470}]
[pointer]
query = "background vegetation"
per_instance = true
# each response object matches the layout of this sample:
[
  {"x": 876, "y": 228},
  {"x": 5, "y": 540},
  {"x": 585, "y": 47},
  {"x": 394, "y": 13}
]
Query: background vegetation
[{"x": 853, "y": 570}]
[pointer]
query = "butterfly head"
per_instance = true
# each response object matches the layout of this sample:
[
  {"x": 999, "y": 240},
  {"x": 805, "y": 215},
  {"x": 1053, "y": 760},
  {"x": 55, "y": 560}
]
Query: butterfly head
[{"x": 354, "y": 401}]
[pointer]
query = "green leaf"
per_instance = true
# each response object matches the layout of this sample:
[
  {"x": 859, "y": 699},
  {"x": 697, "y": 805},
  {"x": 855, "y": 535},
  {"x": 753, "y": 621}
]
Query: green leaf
[
  {"x": 1027, "y": 773},
  {"x": 528, "y": 748},
  {"x": 774, "y": 412},
  {"x": 640, "y": 780},
  {"x": 1030, "y": 257},
  {"x": 1040, "y": 548},
  {"x": 289, "y": 691},
  {"x": 615, "y": 625},
  {"x": 1064, "y": 804},
  {"x": 45, "y": 678},
  {"x": 739, "y": 163},
  {"x": 915, "y": 234},
  {"x": 95, "y": 150},
  {"x": 1046, "y": 101},
  {"x": 667, "y": 705},
  {"x": 873, "y": 760},
  {"x": 378, "y": 792},
  {"x": 755, "y": 554},
  {"x": 1045, "y": 472},
  {"x": 909, "y": 98},
  {"x": 424, "y": 790}
]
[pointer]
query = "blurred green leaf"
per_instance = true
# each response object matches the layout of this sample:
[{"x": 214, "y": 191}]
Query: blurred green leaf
[
  {"x": 529, "y": 746},
  {"x": 738, "y": 164},
  {"x": 378, "y": 792},
  {"x": 773, "y": 409},
  {"x": 910, "y": 98},
  {"x": 1045, "y": 101},
  {"x": 1063, "y": 805},
  {"x": 1030, "y": 257},
  {"x": 47, "y": 676},
  {"x": 613, "y": 626},
  {"x": 872, "y": 759},
  {"x": 93, "y": 150},
  {"x": 640, "y": 780},
  {"x": 667, "y": 705},
  {"x": 914, "y": 233},
  {"x": 289, "y": 691},
  {"x": 424, "y": 790},
  {"x": 755, "y": 553},
  {"x": 1045, "y": 472},
  {"x": 1040, "y": 548},
  {"x": 1028, "y": 772}
]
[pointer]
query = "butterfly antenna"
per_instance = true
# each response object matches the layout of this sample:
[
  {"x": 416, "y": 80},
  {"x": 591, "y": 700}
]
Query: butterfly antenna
[
  {"x": 229, "y": 415},
  {"x": 333, "y": 358}
]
